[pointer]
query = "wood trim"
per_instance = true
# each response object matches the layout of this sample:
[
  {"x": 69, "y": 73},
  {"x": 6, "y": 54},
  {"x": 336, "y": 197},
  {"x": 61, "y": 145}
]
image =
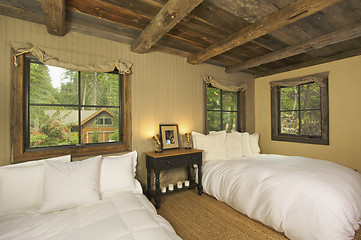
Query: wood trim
[
  {"x": 54, "y": 11},
  {"x": 171, "y": 14},
  {"x": 20, "y": 154},
  {"x": 344, "y": 34},
  {"x": 289, "y": 14},
  {"x": 172, "y": 152}
]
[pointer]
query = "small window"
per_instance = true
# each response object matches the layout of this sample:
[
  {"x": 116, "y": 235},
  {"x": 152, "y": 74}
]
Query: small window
[
  {"x": 108, "y": 121},
  {"x": 99, "y": 121},
  {"x": 222, "y": 110},
  {"x": 300, "y": 113}
]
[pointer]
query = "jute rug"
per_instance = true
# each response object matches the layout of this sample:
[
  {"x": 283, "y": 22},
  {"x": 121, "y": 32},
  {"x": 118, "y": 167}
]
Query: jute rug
[{"x": 203, "y": 217}]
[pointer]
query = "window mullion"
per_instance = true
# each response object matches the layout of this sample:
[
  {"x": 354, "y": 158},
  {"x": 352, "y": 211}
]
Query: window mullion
[
  {"x": 79, "y": 108},
  {"x": 299, "y": 110},
  {"x": 221, "y": 109}
]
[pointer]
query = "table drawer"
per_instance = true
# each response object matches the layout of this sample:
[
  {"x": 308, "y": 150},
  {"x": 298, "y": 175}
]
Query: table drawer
[{"x": 177, "y": 161}]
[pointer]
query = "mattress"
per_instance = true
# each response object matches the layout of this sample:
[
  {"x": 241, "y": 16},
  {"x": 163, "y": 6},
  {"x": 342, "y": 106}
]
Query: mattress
[
  {"x": 121, "y": 215},
  {"x": 304, "y": 198}
]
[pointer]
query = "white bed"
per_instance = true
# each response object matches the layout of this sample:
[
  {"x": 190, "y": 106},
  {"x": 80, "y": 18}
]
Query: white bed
[
  {"x": 303, "y": 198},
  {"x": 97, "y": 198}
]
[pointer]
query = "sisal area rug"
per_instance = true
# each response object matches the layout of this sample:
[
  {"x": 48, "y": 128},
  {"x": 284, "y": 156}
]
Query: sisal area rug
[{"x": 203, "y": 217}]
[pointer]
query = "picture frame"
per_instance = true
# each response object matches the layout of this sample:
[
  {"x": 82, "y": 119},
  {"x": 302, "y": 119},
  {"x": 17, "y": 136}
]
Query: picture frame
[{"x": 169, "y": 136}]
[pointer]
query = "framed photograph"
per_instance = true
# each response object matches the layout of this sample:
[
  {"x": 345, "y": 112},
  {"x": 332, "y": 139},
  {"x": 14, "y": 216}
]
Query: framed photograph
[{"x": 169, "y": 136}]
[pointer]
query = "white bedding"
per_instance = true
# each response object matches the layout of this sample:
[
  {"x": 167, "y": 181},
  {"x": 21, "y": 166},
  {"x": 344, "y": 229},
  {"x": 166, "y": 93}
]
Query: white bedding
[
  {"x": 120, "y": 215},
  {"x": 304, "y": 198}
]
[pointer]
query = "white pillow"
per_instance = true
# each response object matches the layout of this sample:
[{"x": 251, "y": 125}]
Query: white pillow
[
  {"x": 246, "y": 147},
  {"x": 213, "y": 145},
  {"x": 69, "y": 185},
  {"x": 117, "y": 173},
  {"x": 253, "y": 141},
  {"x": 234, "y": 145},
  {"x": 21, "y": 185}
]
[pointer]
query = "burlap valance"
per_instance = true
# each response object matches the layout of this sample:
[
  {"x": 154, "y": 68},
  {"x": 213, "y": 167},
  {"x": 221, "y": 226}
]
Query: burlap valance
[
  {"x": 122, "y": 66},
  {"x": 318, "y": 78},
  {"x": 226, "y": 85}
]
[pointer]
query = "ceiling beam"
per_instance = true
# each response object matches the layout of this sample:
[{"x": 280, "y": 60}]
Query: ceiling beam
[
  {"x": 313, "y": 62},
  {"x": 172, "y": 13},
  {"x": 341, "y": 35},
  {"x": 289, "y": 14},
  {"x": 54, "y": 11}
]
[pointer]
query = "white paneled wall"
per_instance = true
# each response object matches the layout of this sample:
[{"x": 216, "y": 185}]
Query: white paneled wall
[{"x": 165, "y": 89}]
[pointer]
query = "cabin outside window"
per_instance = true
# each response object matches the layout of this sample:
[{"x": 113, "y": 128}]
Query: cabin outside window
[
  {"x": 69, "y": 112},
  {"x": 300, "y": 113},
  {"x": 223, "y": 110}
]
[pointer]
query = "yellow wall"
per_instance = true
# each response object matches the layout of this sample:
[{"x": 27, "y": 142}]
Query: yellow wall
[
  {"x": 344, "y": 110},
  {"x": 165, "y": 89}
]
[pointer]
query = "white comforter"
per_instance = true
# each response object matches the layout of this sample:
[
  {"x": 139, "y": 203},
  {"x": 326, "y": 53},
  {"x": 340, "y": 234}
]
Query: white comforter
[
  {"x": 304, "y": 198},
  {"x": 117, "y": 216}
]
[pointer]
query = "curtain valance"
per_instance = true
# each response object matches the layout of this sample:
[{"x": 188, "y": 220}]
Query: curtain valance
[
  {"x": 318, "y": 78},
  {"x": 224, "y": 84},
  {"x": 122, "y": 66}
]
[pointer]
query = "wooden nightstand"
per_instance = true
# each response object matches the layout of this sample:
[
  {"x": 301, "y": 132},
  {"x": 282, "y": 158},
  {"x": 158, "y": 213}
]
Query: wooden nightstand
[{"x": 169, "y": 159}]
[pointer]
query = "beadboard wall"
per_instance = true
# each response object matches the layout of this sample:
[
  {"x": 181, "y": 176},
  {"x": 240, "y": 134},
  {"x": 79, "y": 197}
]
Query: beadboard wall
[{"x": 165, "y": 89}]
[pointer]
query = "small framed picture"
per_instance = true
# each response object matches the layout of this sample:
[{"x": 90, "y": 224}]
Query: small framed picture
[{"x": 169, "y": 136}]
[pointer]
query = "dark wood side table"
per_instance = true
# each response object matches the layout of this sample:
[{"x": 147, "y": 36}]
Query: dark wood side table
[{"x": 169, "y": 159}]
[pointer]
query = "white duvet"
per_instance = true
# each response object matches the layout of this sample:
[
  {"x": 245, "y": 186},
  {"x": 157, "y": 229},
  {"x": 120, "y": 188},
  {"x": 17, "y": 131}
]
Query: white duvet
[
  {"x": 122, "y": 215},
  {"x": 304, "y": 198}
]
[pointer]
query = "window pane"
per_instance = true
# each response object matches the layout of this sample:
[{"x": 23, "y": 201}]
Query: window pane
[
  {"x": 289, "y": 98},
  {"x": 100, "y": 89},
  {"x": 213, "y": 121},
  {"x": 311, "y": 123},
  {"x": 108, "y": 121},
  {"x": 310, "y": 95},
  {"x": 93, "y": 128},
  {"x": 289, "y": 123},
  {"x": 52, "y": 126},
  {"x": 213, "y": 98},
  {"x": 52, "y": 85},
  {"x": 229, "y": 121},
  {"x": 229, "y": 101}
]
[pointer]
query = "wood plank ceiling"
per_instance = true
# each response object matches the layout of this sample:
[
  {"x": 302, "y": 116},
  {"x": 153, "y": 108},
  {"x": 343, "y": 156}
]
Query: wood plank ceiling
[{"x": 261, "y": 37}]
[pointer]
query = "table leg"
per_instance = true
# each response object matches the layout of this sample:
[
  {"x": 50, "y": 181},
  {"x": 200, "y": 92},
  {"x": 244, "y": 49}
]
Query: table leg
[
  {"x": 157, "y": 190},
  {"x": 148, "y": 184},
  {"x": 200, "y": 187},
  {"x": 189, "y": 175}
]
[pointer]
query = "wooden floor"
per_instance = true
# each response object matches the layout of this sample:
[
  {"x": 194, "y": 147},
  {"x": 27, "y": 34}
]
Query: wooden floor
[{"x": 203, "y": 217}]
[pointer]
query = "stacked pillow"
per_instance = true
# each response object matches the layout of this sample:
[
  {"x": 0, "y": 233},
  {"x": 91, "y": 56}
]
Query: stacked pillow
[
  {"x": 21, "y": 185},
  {"x": 58, "y": 184},
  {"x": 221, "y": 145}
]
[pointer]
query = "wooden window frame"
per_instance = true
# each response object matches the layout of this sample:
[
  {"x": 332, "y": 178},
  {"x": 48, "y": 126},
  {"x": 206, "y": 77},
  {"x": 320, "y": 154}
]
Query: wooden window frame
[
  {"x": 240, "y": 110},
  {"x": 275, "y": 120},
  {"x": 18, "y": 151}
]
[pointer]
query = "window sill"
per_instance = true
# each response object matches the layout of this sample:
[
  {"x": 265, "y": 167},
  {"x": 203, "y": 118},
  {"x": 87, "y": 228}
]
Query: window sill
[
  {"x": 309, "y": 140},
  {"x": 35, "y": 154}
]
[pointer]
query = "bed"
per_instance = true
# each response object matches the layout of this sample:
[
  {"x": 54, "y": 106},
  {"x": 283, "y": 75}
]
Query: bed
[
  {"x": 301, "y": 197},
  {"x": 98, "y": 199}
]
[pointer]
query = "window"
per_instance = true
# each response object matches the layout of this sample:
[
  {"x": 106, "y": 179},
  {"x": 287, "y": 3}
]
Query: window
[
  {"x": 68, "y": 112},
  {"x": 223, "y": 111},
  {"x": 300, "y": 113},
  {"x": 103, "y": 121}
]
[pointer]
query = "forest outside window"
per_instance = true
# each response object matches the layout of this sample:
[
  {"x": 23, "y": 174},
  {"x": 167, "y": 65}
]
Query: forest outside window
[
  {"x": 300, "y": 113},
  {"x": 65, "y": 111},
  {"x": 222, "y": 110}
]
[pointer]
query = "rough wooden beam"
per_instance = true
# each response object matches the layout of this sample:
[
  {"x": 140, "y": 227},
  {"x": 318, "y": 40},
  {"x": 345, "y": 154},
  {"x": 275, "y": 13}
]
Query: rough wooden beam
[
  {"x": 54, "y": 11},
  {"x": 289, "y": 14},
  {"x": 172, "y": 13},
  {"x": 344, "y": 34},
  {"x": 339, "y": 56}
]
